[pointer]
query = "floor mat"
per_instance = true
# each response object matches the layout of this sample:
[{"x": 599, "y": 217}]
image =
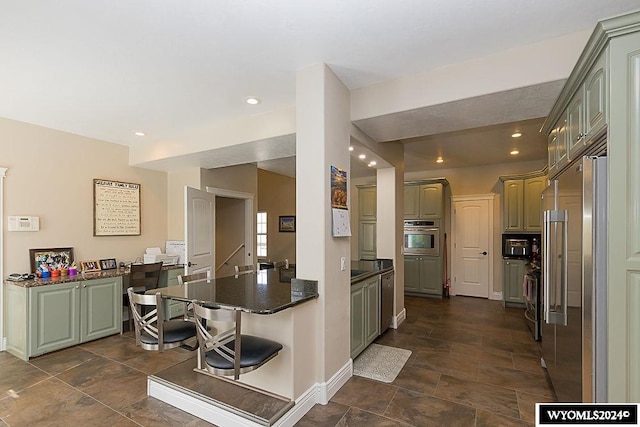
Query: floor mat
[{"x": 380, "y": 362}]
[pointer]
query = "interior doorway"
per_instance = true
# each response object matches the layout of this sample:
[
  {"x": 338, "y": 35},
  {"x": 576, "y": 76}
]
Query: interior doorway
[
  {"x": 472, "y": 232},
  {"x": 230, "y": 235}
]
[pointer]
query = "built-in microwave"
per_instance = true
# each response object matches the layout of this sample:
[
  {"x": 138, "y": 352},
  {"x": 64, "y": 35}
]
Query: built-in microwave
[{"x": 422, "y": 237}]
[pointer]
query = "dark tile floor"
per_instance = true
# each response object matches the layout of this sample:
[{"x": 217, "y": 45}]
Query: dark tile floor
[{"x": 473, "y": 363}]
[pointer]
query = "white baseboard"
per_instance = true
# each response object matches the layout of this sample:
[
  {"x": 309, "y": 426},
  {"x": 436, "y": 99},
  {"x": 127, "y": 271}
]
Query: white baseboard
[
  {"x": 318, "y": 393},
  {"x": 496, "y": 296},
  {"x": 398, "y": 319},
  {"x": 3, "y": 344}
]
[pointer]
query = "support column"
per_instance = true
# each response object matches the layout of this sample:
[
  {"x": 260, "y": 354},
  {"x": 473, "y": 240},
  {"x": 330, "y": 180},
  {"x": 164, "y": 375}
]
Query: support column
[{"x": 322, "y": 141}]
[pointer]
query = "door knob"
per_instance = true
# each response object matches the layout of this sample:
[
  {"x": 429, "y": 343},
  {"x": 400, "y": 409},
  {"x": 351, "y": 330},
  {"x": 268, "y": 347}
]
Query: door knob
[
  {"x": 483, "y": 253},
  {"x": 190, "y": 264}
]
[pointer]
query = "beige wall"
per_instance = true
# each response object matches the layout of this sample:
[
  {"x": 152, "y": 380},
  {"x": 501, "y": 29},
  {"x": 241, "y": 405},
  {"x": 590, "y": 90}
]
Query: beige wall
[
  {"x": 276, "y": 197},
  {"x": 243, "y": 178},
  {"x": 176, "y": 181},
  {"x": 51, "y": 176}
]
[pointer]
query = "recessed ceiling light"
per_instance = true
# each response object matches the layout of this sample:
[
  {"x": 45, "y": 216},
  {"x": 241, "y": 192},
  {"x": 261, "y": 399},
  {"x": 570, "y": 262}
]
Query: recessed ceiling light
[
  {"x": 252, "y": 100},
  {"x": 516, "y": 135},
  {"x": 514, "y": 152},
  {"x": 439, "y": 160},
  {"x": 372, "y": 163},
  {"x": 350, "y": 148},
  {"x": 138, "y": 133},
  {"x": 362, "y": 156}
]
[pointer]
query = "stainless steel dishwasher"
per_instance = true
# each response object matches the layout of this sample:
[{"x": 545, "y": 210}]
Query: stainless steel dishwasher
[{"x": 386, "y": 300}]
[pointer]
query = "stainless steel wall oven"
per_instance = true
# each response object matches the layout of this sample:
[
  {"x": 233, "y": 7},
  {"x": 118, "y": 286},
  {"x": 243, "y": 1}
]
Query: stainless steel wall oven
[{"x": 422, "y": 237}]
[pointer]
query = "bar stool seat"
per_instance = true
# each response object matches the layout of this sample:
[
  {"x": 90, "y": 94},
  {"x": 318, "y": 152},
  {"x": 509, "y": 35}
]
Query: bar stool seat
[{"x": 255, "y": 351}]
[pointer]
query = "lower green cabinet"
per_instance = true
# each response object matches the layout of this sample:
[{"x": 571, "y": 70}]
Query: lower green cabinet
[
  {"x": 365, "y": 314},
  {"x": 41, "y": 319},
  {"x": 513, "y": 279},
  {"x": 169, "y": 277},
  {"x": 423, "y": 275},
  {"x": 100, "y": 308},
  {"x": 54, "y": 317}
]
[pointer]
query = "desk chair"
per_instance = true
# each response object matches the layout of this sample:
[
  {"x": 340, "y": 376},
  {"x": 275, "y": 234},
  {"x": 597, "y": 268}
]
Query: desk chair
[
  {"x": 182, "y": 279},
  {"x": 152, "y": 331},
  {"x": 244, "y": 269},
  {"x": 142, "y": 277},
  {"x": 229, "y": 352}
]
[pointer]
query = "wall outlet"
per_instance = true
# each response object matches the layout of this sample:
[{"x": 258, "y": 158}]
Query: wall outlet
[{"x": 343, "y": 263}]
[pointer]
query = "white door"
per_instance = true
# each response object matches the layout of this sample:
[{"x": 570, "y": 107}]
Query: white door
[
  {"x": 199, "y": 231},
  {"x": 472, "y": 230}
]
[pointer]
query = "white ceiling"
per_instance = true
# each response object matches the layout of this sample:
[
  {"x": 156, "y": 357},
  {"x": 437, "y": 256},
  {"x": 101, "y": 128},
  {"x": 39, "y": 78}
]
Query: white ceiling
[{"x": 103, "y": 69}]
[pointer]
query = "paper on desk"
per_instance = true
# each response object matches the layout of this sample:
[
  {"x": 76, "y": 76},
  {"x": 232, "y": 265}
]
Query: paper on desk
[{"x": 153, "y": 251}]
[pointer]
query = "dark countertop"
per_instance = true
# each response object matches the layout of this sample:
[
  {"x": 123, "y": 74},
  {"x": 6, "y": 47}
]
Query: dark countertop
[
  {"x": 364, "y": 269},
  {"x": 262, "y": 292},
  {"x": 78, "y": 277}
]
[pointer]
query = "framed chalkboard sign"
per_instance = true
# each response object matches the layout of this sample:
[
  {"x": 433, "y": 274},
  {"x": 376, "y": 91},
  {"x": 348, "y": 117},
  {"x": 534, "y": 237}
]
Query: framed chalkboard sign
[{"x": 116, "y": 208}]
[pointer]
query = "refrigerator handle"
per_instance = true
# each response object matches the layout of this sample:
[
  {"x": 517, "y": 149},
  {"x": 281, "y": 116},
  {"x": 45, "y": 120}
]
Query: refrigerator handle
[{"x": 555, "y": 313}]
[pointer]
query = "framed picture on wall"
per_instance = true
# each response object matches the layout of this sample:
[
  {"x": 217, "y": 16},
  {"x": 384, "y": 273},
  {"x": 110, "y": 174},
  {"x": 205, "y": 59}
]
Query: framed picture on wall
[{"x": 287, "y": 224}]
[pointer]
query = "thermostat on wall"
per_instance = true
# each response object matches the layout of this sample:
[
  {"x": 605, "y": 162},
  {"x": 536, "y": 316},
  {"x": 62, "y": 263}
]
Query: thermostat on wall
[{"x": 24, "y": 223}]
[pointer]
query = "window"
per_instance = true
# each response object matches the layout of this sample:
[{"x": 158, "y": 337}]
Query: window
[{"x": 262, "y": 234}]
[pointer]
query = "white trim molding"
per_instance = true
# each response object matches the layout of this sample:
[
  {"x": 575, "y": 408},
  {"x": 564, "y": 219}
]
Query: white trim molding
[
  {"x": 399, "y": 318},
  {"x": 3, "y": 338}
]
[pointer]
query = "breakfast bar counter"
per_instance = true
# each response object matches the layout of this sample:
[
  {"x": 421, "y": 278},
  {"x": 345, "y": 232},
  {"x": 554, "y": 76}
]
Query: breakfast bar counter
[{"x": 261, "y": 292}]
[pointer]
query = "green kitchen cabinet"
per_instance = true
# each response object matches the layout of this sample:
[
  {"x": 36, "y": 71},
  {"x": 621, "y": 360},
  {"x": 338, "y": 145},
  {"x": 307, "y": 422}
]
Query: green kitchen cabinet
[
  {"x": 367, "y": 240},
  {"x": 423, "y": 275},
  {"x": 169, "y": 277},
  {"x": 100, "y": 308},
  {"x": 54, "y": 317},
  {"x": 365, "y": 314},
  {"x": 367, "y": 203},
  {"x": 42, "y": 319},
  {"x": 423, "y": 201},
  {"x": 513, "y": 279},
  {"x": 522, "y": 203},
  {"x": 367, "y": 208}
]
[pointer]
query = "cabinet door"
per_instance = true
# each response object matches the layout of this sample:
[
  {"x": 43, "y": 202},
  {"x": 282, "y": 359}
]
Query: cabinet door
[
  {"x": 100, "y": 308},
  {"x": 372, "y": 310},
  {"x": 54, "y": 317},
  {"x": 575, "y": 125},
  {"x": 367, "y": 203},
  {"x": 367, "y": 240},
  {"x": 552, "y": 150},
  {"x": 411, "y": 201},
  {"x": 357, "y": 319},
  {"x": 513, "y": 279},
  {"x": 431, "y": 201},
  {"x": 533, "y": 203},
  {"x": 513, "y": 204},
  {"x": 431, "y": 274},
  {"x": 595, "y": 99},
  {"x": 411, "y": 273},
  {"x": 561, "y": 147}
]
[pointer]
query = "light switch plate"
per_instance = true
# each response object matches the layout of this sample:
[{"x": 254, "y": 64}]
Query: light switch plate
[{"x": 343, "y": 263}]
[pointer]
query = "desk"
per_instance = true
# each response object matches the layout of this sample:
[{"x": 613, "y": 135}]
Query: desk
[{"x": 261, "y": 292}]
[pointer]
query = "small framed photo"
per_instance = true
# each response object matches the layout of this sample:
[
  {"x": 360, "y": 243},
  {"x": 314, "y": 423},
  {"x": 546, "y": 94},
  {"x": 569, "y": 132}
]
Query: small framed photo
[
  {"x": 53, "y": 258},
  {"x": 88, "y": 266},
  {"x": 287, "y": 224},
  {"x": 108, "y": 264}
]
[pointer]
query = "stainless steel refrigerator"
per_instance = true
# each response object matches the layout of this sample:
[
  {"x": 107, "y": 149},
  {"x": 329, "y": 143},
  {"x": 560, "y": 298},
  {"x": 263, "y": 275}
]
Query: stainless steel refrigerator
[{"x": 574, "y": 341}]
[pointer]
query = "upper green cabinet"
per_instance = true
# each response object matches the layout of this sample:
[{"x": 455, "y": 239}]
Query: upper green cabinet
[
  {"x": 522, "y": 204},
  {"x": 367, "y": 200},
  {"x": 423, "y": 201},
  {"x": 582, "y": 122},
  {"x": 367, "y": 203}
]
